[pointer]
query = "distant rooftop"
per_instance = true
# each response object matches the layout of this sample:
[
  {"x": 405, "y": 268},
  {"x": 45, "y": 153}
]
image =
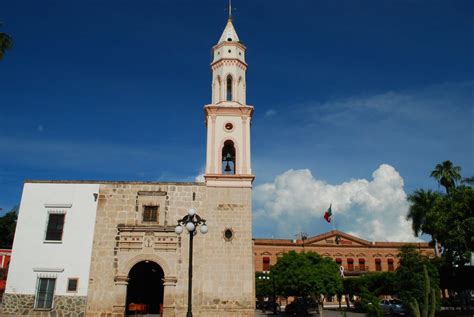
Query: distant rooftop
[
  {"x": 309, "y": 240},
  {"x": 110, "y": 182}
]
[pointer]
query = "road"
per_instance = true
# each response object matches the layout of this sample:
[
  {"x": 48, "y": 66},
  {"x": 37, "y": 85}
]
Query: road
[{"x": 327, "y": 313}]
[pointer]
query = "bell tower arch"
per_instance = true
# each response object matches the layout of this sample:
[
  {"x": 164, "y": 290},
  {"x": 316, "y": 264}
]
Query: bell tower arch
[{"x": 228, "y": 118}]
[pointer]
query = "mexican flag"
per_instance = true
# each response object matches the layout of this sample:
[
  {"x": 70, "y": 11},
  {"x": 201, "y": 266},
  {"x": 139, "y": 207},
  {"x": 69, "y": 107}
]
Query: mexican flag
[{"x": 328, "y": 214}]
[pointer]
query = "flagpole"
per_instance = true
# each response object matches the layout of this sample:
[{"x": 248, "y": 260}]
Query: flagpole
[{"x": 333, "y": 218}]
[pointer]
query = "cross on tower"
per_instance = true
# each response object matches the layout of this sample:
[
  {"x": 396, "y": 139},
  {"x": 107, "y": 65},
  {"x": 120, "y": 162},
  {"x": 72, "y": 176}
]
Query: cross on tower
[{"x": 230, "y": 9}]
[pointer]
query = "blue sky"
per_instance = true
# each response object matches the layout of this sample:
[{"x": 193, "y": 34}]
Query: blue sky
[{"x": 359, "y": 100}]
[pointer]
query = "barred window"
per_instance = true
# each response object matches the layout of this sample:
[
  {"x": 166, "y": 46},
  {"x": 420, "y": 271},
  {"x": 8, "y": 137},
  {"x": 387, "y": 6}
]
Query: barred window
[
  {"x": 150, "y": 213},
  {"x": 45, "y": 293},
  {"x": 54, "y": 231}
]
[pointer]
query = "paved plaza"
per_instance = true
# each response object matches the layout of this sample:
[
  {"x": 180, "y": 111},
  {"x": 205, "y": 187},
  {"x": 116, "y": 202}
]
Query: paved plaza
[{"x": 327, "y": 313}]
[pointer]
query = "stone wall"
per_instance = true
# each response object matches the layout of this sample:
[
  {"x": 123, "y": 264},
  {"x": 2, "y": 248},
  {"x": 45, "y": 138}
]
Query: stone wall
[
  {"x": 223, "y": 283},
  {"x": 225, "y": 286},
  {"x": 66, "y": 306},
  {"x": 122, "y": 239}
]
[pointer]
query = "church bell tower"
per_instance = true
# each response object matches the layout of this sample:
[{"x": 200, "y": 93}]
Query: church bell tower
[
  {"x": 228, "y": 118},
  {"x": 228, "y": 286}
]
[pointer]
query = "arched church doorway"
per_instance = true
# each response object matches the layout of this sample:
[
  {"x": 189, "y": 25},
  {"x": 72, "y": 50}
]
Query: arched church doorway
[{"x": 145, "y": 288}]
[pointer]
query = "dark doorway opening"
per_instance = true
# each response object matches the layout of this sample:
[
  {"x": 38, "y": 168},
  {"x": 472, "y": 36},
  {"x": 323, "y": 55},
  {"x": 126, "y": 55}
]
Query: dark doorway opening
[{"x": 145, "y": 288}]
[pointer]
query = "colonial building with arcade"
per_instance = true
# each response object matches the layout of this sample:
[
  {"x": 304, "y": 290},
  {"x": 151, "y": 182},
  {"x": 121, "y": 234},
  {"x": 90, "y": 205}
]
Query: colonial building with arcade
[{"x": 356, "y": 256}]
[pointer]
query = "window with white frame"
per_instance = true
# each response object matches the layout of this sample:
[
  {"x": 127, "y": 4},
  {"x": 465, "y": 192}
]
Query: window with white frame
[{"x": 45, "y": 293}]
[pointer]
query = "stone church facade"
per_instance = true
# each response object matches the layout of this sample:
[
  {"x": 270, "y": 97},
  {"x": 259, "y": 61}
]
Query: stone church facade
[{"x": 109, "y": 248}]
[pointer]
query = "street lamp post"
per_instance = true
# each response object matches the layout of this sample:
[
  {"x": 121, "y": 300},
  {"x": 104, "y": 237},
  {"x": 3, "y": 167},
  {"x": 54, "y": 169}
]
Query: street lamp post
[
  {"x": 191, "y": 221},
  {"x": 266, "y": 276}
]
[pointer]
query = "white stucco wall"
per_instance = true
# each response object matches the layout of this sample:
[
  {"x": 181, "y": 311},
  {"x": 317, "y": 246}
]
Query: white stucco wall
[{"x": 32, "y": 257}]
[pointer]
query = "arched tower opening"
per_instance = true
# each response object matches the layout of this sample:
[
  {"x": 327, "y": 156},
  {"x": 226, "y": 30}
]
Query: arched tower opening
[
  {"x": 228, "y": 158},
  {"x": 145, "y": 288},
  {"x": 229, "y": 88}
]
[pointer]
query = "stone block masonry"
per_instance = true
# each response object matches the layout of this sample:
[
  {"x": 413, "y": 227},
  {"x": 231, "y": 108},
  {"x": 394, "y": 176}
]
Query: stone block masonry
[
  {"x": 223, "y": 267},
  {"x": 66, "y": 306}
]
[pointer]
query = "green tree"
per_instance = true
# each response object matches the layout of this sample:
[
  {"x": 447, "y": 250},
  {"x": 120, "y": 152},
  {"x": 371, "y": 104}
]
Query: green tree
[
  {"x": 452, "y": 220},
  {"x": 379, "y": 283},
  {"x": 369, "y": 287},
  {"x": 448, "y": 218},
  {"x": 6, "y": 42},
  {"x": 430, "y": 298},
  {"x": 307, "y": 274},
  {"x": 422, "y": 204},
  {"x": 447, "y": 175},
  {"x": 7, "y": 228},
  {"x": 263, "y": 286},
  {"x": 411, "y": 277}
]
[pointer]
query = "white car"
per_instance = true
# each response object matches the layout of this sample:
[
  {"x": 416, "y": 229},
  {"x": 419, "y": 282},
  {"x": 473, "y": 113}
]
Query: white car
[{"x": 392, "y": 306}]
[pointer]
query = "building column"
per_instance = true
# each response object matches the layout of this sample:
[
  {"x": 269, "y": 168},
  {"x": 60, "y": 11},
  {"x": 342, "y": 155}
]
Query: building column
[
  {"x": 120, "y": 298},
  {"x": 169, "y": 284}
]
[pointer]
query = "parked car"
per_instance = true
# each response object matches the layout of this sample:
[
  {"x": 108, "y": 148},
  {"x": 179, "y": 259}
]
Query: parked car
[
  {"x": 268, "y": 306},
  {"x": 392, "y": 306},
  {"x": 300, "y": 306}
]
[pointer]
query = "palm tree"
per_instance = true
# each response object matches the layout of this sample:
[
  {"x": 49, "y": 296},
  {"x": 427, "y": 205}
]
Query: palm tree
[
  {"x": 421, "y": 203},
  {"x": 6, "y": 43},
  {"x": 447, "y": 175}
]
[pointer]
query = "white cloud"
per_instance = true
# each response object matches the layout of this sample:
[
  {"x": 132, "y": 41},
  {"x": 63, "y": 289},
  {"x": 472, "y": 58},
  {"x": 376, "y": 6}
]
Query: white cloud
[
  {"x": 371, "y": 209},
  {"x": 199, "y": 178},
  {"x": 270, "y": 113}
]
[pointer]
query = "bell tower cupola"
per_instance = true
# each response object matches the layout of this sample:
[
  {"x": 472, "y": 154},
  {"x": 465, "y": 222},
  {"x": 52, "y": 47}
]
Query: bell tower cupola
[
  {"x": 228, "y": 117},
  {"x": 228, "y": 67}
]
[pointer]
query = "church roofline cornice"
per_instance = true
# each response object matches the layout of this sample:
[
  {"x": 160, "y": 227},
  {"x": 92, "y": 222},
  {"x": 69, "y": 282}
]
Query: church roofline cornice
[
  {"x": 215, "y": 65},
  {"x": 225, "y": 109},
  {"x": 220, "y": 110},
  {"x": 32, "y": 181},
  {"x": 239, "y": 44},
  {"x": 231, "y": 180}
]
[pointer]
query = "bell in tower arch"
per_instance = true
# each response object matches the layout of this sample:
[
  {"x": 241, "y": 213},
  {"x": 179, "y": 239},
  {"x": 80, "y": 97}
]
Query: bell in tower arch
[{"x": 228, "y": 158}]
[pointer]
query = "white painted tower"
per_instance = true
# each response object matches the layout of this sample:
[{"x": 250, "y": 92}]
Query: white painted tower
[{"x": 228, "y": 118}]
